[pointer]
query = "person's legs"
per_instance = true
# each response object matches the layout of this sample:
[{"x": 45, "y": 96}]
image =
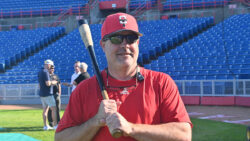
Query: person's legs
[
  {"x": 47, "y": 102},
  {"x": 58, "y": 107},
  {"x": 52, "y": 105},
  {"x": 50, "y": 112},
  {"x": 45, "y": 111},
  {"x": 50, "y": 118},
  {"x": 54, "y": 116}
]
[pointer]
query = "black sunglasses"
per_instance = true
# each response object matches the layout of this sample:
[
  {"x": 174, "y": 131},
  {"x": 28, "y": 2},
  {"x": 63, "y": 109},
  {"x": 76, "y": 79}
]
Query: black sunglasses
[{"x": 118, "y": 39}]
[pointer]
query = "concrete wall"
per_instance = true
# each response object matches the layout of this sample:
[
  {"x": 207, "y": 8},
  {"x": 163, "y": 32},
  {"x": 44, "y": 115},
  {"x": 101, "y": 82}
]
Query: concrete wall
[{"x": 69, "y": 22}]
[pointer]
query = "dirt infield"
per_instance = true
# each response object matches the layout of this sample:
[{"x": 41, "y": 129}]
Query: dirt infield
[
  {"x": 22, "y": 107},
  {"x": 19, "y": 107},
  {"x": 230, "y": 114}
]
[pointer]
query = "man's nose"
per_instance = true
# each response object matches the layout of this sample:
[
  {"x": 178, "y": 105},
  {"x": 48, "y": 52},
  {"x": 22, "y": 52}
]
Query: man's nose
[{"x": 124, "y": 42}]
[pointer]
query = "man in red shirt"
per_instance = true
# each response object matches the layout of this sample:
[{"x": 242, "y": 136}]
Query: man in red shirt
[{"x": 145, "y": 105}]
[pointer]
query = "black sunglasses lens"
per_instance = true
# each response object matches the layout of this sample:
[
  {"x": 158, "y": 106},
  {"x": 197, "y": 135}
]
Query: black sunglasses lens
[
  {"x": 131, "y": 38},
  {"x": 119, "y": 39},
  {"x": 116, "y": 40}
]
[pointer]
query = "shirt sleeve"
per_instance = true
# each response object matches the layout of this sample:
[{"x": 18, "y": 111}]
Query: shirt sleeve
[
  {"x": 86, "y": 76},
  {"x": 72, "y": 79},
  {"x": 46, "y": 76},
  {"x": 172, "y": 106}
]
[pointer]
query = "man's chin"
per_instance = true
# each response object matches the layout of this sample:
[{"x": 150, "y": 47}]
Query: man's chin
[{"x": 124, "y": 64}]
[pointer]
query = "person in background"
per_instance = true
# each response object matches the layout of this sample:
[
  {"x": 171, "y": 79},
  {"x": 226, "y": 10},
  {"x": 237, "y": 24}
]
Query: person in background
[
  {"x": 144, "y": 104},
  {"x": 56, "y": 94},
  {"x": 74, "y": 76},
  {"x": 46, "y": 94},
  {"x": 84, "y": 74}
]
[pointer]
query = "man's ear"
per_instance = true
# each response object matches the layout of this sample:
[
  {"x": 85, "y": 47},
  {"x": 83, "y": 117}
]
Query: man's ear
[{"x": 102, "y": 44}]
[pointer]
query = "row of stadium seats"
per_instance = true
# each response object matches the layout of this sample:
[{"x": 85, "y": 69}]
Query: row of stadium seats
[
  {"x": 15, "y": 4},
  {"x": 188, "y": 4},
  {"x": 177, "y": 4},
  {"x": 16, "y": 8},
  {"x": 133, "y": 4}
]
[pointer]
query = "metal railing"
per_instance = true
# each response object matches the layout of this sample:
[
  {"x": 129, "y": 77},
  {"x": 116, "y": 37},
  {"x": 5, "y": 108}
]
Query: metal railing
[
  {"x": 24, "y": 91},
  {"x": 40, "y": 11},
  {"x": 54, "y": 16},
  {"x": 237, "y": 87}
]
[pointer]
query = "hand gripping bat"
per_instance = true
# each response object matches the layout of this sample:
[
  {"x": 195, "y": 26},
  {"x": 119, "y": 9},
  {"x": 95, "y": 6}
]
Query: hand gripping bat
[{"x": 88, "y": 42}]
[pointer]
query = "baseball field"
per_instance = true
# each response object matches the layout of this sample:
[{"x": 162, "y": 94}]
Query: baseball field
[{"x": 29, "y": 122}]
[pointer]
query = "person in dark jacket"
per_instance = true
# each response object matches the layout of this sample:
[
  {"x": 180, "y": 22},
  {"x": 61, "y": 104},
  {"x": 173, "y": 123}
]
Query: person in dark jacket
[
  {"x": 56, "y": 94},
  {"x": 84, "y": 74}
]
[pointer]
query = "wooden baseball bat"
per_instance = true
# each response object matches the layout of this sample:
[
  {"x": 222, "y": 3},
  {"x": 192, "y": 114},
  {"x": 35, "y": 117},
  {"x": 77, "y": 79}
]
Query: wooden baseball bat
[{"x": 88, "y": 42}]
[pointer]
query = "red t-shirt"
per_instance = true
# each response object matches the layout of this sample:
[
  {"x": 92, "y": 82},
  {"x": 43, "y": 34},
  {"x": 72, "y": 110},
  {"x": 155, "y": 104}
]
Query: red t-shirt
[{"x": 154, "y": 100}]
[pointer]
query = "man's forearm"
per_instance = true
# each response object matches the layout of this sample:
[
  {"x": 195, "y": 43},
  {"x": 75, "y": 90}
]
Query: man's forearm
[
  {"x": 175, "y": 131},
  {"x": 67, "y": 84},
  {"x": 85, "y": 131}
]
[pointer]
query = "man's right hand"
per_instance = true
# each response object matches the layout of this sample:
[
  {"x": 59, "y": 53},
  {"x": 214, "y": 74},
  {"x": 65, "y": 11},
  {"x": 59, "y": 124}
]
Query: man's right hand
[
  {"x": 53, "y": 82},
  {"x": 66, "y": 84}
]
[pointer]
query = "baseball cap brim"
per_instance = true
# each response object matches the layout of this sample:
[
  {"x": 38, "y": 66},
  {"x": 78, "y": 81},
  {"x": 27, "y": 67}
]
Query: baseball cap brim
[{"x": 113, "y": 33}]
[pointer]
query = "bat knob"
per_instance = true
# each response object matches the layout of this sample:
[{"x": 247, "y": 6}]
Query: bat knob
[
  {"x": 117, "y": 133},
  {"x": 82, "y": 21}
]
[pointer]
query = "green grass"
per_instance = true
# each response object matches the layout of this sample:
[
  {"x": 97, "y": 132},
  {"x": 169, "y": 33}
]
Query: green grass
[
  {"x": 29, "y": 122},
  {"x": 209, "y": 130}
]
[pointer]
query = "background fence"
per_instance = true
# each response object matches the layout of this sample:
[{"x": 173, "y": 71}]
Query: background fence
[{"x": 28, "y": 93}]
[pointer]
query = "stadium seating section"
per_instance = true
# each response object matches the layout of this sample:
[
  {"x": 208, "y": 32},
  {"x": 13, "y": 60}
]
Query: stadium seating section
[
  {"x": 16, "y": 8},
  {"x": 221, "y": 52},
  {"x": 20, "y": 8},
  {"x": 175, "y": 4},
  {"x": 187, "y": 49},
  {"x": 134, "y": 4},
  {"x": 17, "y": 46},
  {"x": 190, "y": 4},
  {"x": 162, "y": 35}
]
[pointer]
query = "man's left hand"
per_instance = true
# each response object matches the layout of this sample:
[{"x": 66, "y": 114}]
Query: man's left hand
[{"x": 117, "y": 121}]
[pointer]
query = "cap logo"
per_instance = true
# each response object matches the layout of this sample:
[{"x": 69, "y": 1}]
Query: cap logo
[{"x": 123, "y": 20}]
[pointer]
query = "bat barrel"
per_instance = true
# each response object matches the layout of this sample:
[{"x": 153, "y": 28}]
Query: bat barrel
[{"x": 85, "y": 33}]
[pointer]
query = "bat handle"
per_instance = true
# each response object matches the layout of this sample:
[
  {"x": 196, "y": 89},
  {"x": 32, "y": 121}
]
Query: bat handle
[
  {"x": 105, "y": 94},
  {"x": 116, "y": 133}
]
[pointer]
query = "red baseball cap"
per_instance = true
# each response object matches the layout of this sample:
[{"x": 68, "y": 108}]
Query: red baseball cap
[{"x": 119, "y": 22}]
